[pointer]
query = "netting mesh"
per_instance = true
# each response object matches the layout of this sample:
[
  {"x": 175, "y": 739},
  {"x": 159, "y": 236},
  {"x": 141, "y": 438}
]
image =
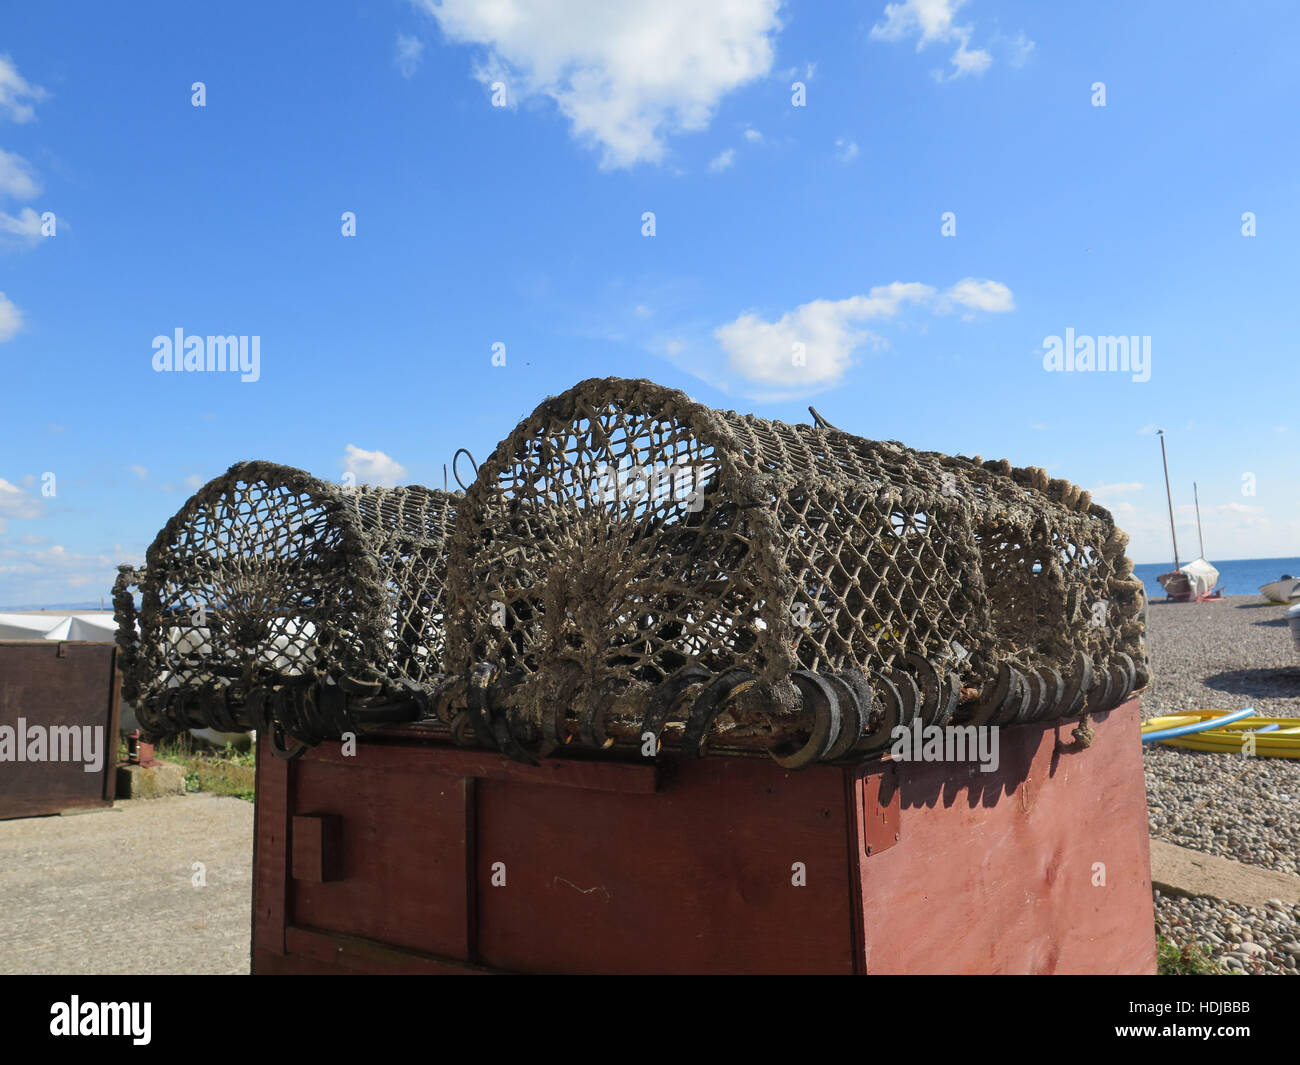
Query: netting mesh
[
  {"x": 626, "y": 546},
  {"x": 631, "y": 568},
  {"x": 271, "y": 593}
]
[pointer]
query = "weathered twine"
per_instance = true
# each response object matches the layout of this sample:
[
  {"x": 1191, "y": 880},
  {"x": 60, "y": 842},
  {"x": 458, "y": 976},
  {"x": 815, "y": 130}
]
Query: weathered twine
[
  {"x": 632, "y": 569},
  {"x": 274, "y": 598},
  {"x": 626, "y": 550}
]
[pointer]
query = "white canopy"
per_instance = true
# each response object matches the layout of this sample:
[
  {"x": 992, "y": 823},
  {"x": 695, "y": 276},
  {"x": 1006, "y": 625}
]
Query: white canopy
[
  {"x": 27, "y": 626},
  {"x": 101, "y": 628}
]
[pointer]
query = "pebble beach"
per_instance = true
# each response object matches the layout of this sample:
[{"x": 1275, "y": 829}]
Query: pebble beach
[{"x": 1225, "y": 655}]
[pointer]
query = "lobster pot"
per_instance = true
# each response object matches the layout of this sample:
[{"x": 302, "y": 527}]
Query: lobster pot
[
  {"x": 1066, "y": 611},
  {"x": 275, "y": 600},
  {"x": 631, "y": 565}
]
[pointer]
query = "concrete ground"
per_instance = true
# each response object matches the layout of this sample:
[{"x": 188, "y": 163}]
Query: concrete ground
[{"x": 117, "y": 890}]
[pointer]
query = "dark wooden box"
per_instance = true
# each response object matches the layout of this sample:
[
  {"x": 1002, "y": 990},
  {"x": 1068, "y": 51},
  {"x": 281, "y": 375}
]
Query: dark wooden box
[
  {"x": 416, "y": 857},
  {"x": 50, "y": 684}
]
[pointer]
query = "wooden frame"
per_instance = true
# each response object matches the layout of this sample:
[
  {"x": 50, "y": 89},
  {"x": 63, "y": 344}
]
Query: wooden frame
[
  {"x": 450, "y": 860},
  {"x": 59, "y": 684}
]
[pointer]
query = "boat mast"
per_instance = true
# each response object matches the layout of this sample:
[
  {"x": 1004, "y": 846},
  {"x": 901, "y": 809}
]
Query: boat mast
[
  {"x": 1169, "y": 496},
  {"x": 1199, "y": 539}
]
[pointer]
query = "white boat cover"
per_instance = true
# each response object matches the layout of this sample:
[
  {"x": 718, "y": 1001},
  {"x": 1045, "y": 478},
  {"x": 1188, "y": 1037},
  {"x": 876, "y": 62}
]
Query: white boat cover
[{"x": 1202, "y": 575}]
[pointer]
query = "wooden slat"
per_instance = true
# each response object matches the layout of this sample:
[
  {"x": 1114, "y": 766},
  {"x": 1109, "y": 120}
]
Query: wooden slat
[
  {"x": 629, "y": 777},
  {"x": 404, "y": 845},
  {"x": 114, "y": 726},
  {"x": 329, "y": 951},
  {"x": 57, "y": 684},
  {"x": 697, "y": 879},
  {"x": 318, "y": 848},
  {"x": 999, "y": 872},
  {"x": 271, "y": 842},
  {"x": 470, "y": 786}
]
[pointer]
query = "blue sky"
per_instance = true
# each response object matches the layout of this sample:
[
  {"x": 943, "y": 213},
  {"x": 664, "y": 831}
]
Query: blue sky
[{"x": 774, "y": 224}]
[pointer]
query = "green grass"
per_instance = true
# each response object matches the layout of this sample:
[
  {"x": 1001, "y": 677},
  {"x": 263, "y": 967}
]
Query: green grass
[
  {"x": 228, "y": 772},
  {"x": 1190, "y": 959}
]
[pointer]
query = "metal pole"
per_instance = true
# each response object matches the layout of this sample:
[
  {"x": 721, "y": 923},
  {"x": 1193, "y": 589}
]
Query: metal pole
[
  {"x": 1199, "y": 539},
  {"x": 1169, "y": 496}
]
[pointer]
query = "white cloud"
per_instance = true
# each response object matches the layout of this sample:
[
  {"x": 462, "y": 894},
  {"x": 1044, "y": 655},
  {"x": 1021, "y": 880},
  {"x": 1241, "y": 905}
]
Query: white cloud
[
  {"x": 409, "y": 52},
  {"x": 139, "y": 471},
  {"x": 626, "y": 74},
  {"x": 51, "y": 575},
  {"x": 11, "y": 319},
  {"x": 25, "y": 226},
  {"x": 931, "y": 21},
  {"x": 753, "y": 136},
  {"x": 931, "y": 18},
  {"x": 794, "y": 73},
  {"x": 1123, "y": 488},
  {"x": 991, "y": 296},
  {"x": 372, "y": 467},
  {"x": 193, "y": 482},
  {"x": 969, "y": 60},
  {"x": 1019, "y": 50},
  {"x": 812, "y": 346},
  {"x": 17, "y": 95},
  {"x": 17, "y": 178},
  {"x": 56, "y": 557},
  {"x": 1232, "y": 530},
  {"x": 15, "y": 503},
  {"x": 845, "y": 150},
  {"x": 722, "y": 161}
]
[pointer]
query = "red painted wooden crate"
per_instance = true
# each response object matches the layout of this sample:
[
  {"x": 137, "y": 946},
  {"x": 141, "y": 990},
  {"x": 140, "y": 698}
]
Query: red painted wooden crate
[
  {"x": 416, "y": 857},
  {"x": 58, "y": 685}
]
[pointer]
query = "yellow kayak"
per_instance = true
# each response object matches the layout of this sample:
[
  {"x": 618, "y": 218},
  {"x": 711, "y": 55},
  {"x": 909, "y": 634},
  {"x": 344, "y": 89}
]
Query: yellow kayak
[{"x": 1273, "y": 737}]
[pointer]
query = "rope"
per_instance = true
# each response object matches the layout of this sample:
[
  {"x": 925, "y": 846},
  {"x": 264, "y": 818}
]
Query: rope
[
  {"x": 1083, "y": 737},
  {"x": 625, "y": 540}
]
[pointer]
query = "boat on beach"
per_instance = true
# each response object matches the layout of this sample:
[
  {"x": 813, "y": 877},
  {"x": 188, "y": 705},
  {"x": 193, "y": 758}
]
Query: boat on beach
[
  {"x": 1196, "y": 581},
  {"x": 1283, "y": 590}
]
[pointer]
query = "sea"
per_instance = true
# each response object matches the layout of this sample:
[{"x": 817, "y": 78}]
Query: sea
[{"x": 1237, "y": 576}]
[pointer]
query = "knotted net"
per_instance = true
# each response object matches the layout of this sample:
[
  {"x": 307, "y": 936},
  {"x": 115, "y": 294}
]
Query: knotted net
[
  {"x": 274, "y": 599},
  {"x": 628, "y": 551}
]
